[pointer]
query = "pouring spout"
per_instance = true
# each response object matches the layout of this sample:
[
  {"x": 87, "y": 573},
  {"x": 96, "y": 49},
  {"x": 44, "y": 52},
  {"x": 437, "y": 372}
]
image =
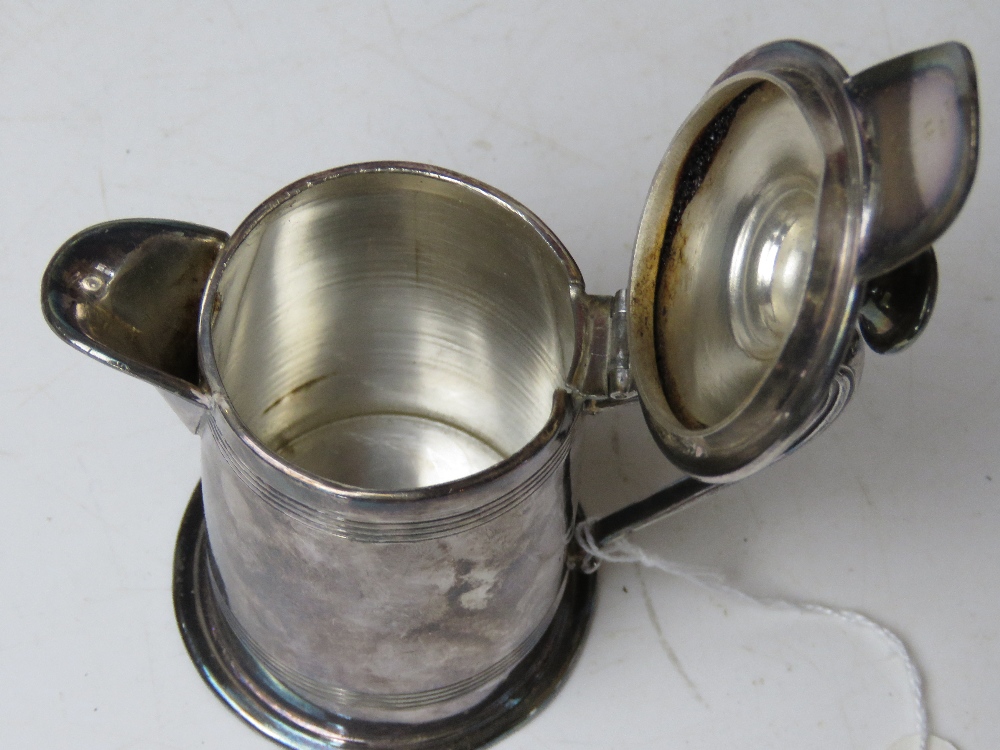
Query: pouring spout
[
  {"x": 128, "y": 294},
  {"x": 919, "y": 116}
]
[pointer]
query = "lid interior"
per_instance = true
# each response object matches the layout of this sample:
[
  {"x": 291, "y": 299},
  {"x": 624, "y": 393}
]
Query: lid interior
[
  {"x": 742, "y": 288},
  {"x": 736, "y": 254}
]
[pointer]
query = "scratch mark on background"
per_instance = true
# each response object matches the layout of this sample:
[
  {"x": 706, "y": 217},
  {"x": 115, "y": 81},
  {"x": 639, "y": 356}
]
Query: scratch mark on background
[
  {"x": 492, "y": 113},
  {"x": 37, "y": 389},
  {"x": 430, "y": 110},
  {"x": 461, "y": 14},
  {"x": 748, "y": 501},
  {"x": 237, "y": 21},
  {"x": 391, "y": 20},
  {"x": 616, "y": 452},
  {"x": 536, "y": 135},
  {"x": 671, "y": 654},
  {"x": 886, "y": 27},
  {"x": 866, "y": 493},
  {"x": 104, "y": 192},
  {"x": 155, "y": 692}
]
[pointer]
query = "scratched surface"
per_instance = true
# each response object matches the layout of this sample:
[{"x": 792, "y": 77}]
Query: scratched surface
[{"x": 198, "y": 112}]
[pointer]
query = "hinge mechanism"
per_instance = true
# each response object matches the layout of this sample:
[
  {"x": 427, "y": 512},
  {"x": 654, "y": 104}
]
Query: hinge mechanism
[{"x": 604, "y": 377}]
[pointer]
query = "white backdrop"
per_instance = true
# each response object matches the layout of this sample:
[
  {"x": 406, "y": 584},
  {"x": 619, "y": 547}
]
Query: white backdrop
[{"x": 199, "y": 111}]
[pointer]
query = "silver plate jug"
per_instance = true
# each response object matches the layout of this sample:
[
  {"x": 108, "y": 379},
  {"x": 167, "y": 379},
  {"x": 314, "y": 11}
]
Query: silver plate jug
[{"x": 385, "y": 364}]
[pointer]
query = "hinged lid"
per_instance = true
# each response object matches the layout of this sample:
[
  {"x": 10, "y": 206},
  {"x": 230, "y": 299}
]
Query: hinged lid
[{"x": 755, "y": 250}]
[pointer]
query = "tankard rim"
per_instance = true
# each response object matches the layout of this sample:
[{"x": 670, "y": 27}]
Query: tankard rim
[{"x": 564, "y": 406}]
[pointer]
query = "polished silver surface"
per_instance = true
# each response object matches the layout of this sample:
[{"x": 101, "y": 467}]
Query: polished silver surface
[
  {"x": 128, "y": 292},
  {"x": 737, "y": 286},
  {"x": 391, "y": 329},
  {"x": 919, "y": 119},
  {"x": 602, "y": 377},
  {"x": 386, "y": 361},
  {"x": 782, "y": 199},
  {"x": 387, "y": 376},
  {"x": 387, "y": 347},
  {"x": 238, "y": 678},
  {"x": 386, "y": 609}
]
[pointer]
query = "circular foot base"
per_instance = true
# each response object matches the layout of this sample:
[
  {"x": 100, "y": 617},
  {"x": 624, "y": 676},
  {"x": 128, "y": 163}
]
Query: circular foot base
[{"x": 273, "y": 710}]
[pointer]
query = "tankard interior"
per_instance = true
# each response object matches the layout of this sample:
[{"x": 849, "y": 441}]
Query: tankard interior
[{"x": 393, "y": 329}]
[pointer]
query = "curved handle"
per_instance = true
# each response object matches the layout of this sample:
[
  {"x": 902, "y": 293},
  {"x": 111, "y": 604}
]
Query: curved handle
[
  {"x": 597, "y": 533},
  {"x": 128, "y": 293}
]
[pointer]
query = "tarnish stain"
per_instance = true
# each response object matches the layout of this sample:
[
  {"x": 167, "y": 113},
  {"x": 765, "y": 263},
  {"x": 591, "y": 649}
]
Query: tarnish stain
[
  {"x": 296, "y": 390},
  {"x": 670, "y": 653},
  {"x": 693, "y": 174},
  {"x": 473, "y": 587},
  {"x": 674, "y": 261}
]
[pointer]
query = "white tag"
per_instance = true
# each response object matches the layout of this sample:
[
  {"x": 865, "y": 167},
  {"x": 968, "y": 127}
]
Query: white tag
[{"x": 913, "y": 743}]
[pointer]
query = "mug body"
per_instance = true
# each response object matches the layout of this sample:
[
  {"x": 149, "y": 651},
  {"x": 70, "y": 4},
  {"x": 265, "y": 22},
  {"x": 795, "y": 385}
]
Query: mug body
[{"x": 385, "y": 454}]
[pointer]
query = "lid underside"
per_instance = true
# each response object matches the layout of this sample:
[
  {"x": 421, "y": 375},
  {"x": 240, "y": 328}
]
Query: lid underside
[{"x": 742, "y": 293}]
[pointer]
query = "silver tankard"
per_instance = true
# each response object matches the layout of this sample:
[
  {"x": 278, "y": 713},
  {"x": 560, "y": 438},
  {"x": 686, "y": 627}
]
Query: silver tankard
[{"x": 386, "y": 361}]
